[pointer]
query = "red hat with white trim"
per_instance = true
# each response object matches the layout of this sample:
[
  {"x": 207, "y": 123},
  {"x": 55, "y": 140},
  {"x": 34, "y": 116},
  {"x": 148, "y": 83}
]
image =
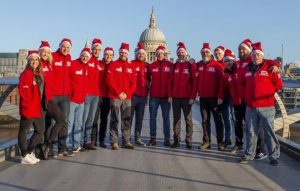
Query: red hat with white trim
[
  {"x": 45, "y": 45},
  {"x": 206, "y": 47},
  {"x": 247, "y": 43},
  {"x": 124, "y": 47},
  {"x": 181, "y": 46},
  {"x": 96, "y": 42},
  {"x": 160, "y": 48},
  {"x": 65, "y": 40},
  {"x": 229, "y": 55},
  {"x": 109, "y": 50},
  {"x": 140, "y": 48},
  {"x": 86, "y": 51},
  {"x": 221, "y": 49},
  {"x": 256, "y": 48},
  {"x": 32, "y": 53}
]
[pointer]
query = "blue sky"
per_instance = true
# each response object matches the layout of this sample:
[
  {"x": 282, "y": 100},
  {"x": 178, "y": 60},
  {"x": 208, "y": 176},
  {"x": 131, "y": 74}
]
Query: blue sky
[{"x": 25, "y": 23}]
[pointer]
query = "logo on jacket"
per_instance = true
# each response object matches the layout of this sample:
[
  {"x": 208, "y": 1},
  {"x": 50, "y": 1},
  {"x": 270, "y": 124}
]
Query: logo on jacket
[
  {"x": 229, "y": 79},
  {"x": 45, "y": 69},
  {"x": 155, "y": 69},
  {"x": 200, "y": 68},
  {"x": 68, "y": 64},
  {"x": 33, "y": 82},
  {"x": 92, "y": 65},
  {"x": 167, "y": 69},
  {"x": 186, "y": 71},
  {"x": 129, "y": 70},
  {"x": 78, "y": 72},
  {"x": 137, "y": 69},
  {"x": 25, "y": 86},
  {"x": 248, "y": 74},
  {"x": 264, "y": 73},
  {"x": 58, "y": 63},
  {"x": 211, "y": 69},
  {"x": 176, "y": 71},
  {"x": 119, "y": 69},
  {"x": 100, "y": 68}
]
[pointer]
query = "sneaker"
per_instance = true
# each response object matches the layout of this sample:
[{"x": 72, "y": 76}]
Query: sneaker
[
  {"x": 235, "y": 148},
  {"x": 176, "y": 144},
  {"x": 204, "y": 146},
  {"x": 102, "y": 144},
  {"x": 260, "y": 156},
  {"x": 32, "y": 155},
  {"x": 28, "y": 160},
  {"x": 69, "y": 153},
  {"x": 227, "y": 142},
  {"x": 61, "y": 153},
  {"x": 274, "y": 162},
  {"x": 152, "y": 142},
  {"x": 115, "y": 146},
  {"x": 167, "y": 143},
  {"x": 140, "y": 142},
  {"x": 128, "y": 145},
  {"x": 244, "y": 160},
  {"x": 79, "y": 149},
  {"x": 221, "y": 147}
]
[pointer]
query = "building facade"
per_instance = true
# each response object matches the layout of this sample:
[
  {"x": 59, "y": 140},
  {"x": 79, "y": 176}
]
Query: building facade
[{"x": 12, "y": 64}]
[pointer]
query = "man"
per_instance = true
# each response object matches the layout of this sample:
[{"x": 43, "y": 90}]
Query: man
[
  {"x": 104, "y": 102},
  {"x": 61, "y": 66},
  {"x": 160, "y": 76},
  {"x": 260, "y": 85},
  {"x": 184, "y": 90},
  {"x": 210, "y": 73},
  {"x": 140, "y": 95},
  {"x": 92, "y": 97},
  {"x": 121, "y": 79},
  {"x": 226, "y": 107}
]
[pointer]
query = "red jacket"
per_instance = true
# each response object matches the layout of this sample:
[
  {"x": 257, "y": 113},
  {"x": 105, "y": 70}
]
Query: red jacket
[
  {"x": 92, "y": 84},
  {"x": 30, "y": 99},
  {"x": 48, "y": 79},
  {"x": 121, "y": 77},
  {"x": 241, "y": 64},
  {"x": 102, "y": 68},
  {"x": 141, "y": 83},
  {"x": 160, "y": 73},
  {"x": 61, "y": 66},
  {"x": 78, "y": 80},
  {"x": 229, "y": 83},
  {"x": 221, "y": 62},
  {"x": 260, "y": 86},
  {"x": 209, "y": 77},
  {"x": 184, "y": 83}
]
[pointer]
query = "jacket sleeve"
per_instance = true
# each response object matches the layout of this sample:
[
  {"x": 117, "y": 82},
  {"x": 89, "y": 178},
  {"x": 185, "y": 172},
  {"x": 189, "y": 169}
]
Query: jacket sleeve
[
  {"x": 194, "y": 81},
  {"x": 25, "y": 91}
]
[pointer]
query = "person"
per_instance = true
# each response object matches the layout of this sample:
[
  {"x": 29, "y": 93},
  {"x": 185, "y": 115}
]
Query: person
[
  {"x": 103, "y": 108},
  {"x": 160, "y": 77},
  {"x": 139, "y": 97},
  {"x": 61, "y": 66},
  {"x": 51, "y": 110},
  {"x": 121, "y": 79},
  {"x": 229, "y": 85},
  {"x": 31, "y": 84},
  {"x": 209, "y": 76},
  {"x": 184, "y": 90},
  {"x": 92, "y": 97},
  {"x": 226, "y": 107},
  {"x": 78, "y": 89},
  {"x": 260, "y": 85}
]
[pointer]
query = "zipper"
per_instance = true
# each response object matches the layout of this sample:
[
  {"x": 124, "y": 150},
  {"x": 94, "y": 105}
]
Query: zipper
[{"x": 160, "y": 63}]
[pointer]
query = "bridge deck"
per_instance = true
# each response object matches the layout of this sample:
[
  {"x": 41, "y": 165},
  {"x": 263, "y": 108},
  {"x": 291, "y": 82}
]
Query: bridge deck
[{"x": 158, "y": 168}]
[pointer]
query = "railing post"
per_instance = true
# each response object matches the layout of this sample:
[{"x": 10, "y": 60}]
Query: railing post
[{"x": 286, "y": 126}]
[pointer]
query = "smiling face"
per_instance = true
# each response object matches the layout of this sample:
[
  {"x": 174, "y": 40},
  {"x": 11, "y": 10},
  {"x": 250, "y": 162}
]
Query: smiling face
[
  {"x": 228, "y": 63},
  {"x": 108, "y": 57},
  {"x": 181, "y": 54},
  {"x": 65, "y": 48},
  {"x": 206, "y": 55},
  {"x": 84, "y": 57},
  {"x": 34, "y": 62},
  {"x": 141, "y": 56},
  {"x": 96, "y": 51},
  {"x": 218, "y": 55},
  {"x": 243, "y": 52},
  {"x": 123, "y": 55},
  {"x": 160, "y": 55},
  {"x": 45, "y": 54},
  {"x": 257, "y": 58}
]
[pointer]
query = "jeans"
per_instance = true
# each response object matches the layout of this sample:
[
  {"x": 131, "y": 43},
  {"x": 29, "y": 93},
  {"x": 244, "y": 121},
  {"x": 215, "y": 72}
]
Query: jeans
[
  {"x": 165, "y": 108},
  {"x": 90, "y": 107},
  {"x": 138, "y": 109},
  {"x": 102, "y": 113},
  {"x": 227, "y": 116},
  {"x": 264, "y": 117},
  {"x": 75, "y": 125}
]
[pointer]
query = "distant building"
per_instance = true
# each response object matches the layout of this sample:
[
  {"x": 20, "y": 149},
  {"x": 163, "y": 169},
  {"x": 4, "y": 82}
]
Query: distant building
[
  {"x": 290, "y": 94},
  {"x": 151, "y": 38},
  {"x": 12, "y": 64}
]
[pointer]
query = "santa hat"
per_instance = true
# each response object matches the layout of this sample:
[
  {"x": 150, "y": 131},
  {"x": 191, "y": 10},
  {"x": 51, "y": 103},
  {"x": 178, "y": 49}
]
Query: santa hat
[
  {"x": 124, "y": 47},
  {"x": 205, "y": 47},
  {"x": 256, "y": 48},
  {"x": 181, "y": 46},
  {"x": 140, "y": 48},
  {"x": 65, "y": 40},
  {"x": 32, "y": 53},
  {"x": 109, "y": 50},
  {"x": 221, "y": 49},
  {"x": 229, "y": 55},
  {"x": 160, "y": 48},
  {"x": 45, "y": 45},
  {"x": 87, "y": 51},
  {"x": 247, "y": 44},
  {"x": 96, "y": 42}
]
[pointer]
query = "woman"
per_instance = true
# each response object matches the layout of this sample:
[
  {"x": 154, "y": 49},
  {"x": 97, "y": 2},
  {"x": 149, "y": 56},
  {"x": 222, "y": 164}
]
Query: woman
[
  {"x": 51, "y": 109},
  {"x": 31, "y": 90}
]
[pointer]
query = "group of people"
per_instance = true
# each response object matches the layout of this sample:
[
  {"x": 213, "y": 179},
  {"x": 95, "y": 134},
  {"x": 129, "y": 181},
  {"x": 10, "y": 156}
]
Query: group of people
[{"x": 68, "y": 101}]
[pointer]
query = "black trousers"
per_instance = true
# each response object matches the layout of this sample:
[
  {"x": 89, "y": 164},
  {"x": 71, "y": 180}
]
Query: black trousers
[
  {"x": 178, "y": 105},
  {"x": 102, "y": 115},
  {"x": 138, "y": 109},
  {"x": 36, "y": 138},
  {"x": 207, "y": 106},
  {"x": 239, "y": 112}
]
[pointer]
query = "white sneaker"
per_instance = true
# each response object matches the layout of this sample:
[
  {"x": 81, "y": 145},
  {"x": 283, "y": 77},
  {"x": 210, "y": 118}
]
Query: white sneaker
[
  {"x": 76, "y": 150},
  {"x": 32, "y": 155},
  {"x": 28, "y": 160}
]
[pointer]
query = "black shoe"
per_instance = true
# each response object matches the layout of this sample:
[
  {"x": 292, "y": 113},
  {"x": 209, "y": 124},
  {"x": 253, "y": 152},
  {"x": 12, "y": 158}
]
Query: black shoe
[
  {"x": 45, "y": 151},
  {"x": 274, "y": 162},
  {"x": 102, "y": 144},
  {"x": 176, "y": 144},
  {"x": 221, "y": 147},
  {"x": 227, "y": 142},
  {"x": 152, "y": 142},
  {"x": 189, "y": 145},
  {"x": 244, "y": 160},
  {"x": 89, "y": 147},
  {"x": 167, "y": 143},
  {"x": 236, "y": 147},
  {"x": 260, "y": 156}
]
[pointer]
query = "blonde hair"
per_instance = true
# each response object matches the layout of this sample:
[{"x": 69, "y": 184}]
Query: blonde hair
[{"x": 49, "y": 54}]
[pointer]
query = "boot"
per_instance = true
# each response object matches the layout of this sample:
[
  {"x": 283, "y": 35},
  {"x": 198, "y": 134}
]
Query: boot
[{"x": 152, "y": 142}]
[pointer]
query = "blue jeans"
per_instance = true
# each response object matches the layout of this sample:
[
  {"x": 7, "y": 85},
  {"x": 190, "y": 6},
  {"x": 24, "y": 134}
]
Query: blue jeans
[
  {"x": 75, "y": 125},
  {"x": 227, "y": 114},
  {"x": 90, "y": 107},
  {"x": 165, "y": 109},
  {"x": 263, "y": 117}
]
